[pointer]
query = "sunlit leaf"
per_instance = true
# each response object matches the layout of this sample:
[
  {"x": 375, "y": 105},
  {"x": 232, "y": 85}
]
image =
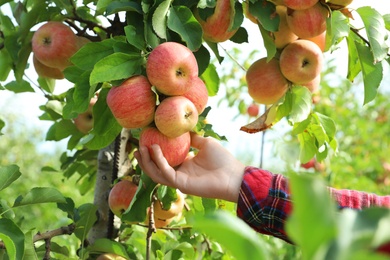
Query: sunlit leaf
[
  {"x": 91, "y": 53},
  {"x": 8, "y": 174},
  {"x": 211, "y": 79},
  {"x": 40, "y": 195},
  {"x": 182, "y": 21},
  {"x": 159, "y": 19},
  {"x": 307, "y": 146},
  {"x": 105, "y": 245},
  {"x": 265, "y": 12},
  {"x": 223, "y": 227},
  {"x": 87, "y": 218},
  {"x": 302, "y": 101},
  {"x": 119, "y": 6},
  {"x": 13, "y": 239}
]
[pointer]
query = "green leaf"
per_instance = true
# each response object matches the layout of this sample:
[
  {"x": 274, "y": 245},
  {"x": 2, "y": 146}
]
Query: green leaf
[
  {"x": 135, "y": 36},
  {"x": 119, "y": 6},
  {"x": 202, "y": 56},
  {"x": 354, "y": 67},
  {"x": 29, "y": 251},
  {"x": 376, "y": 32},
  {"x": 159, "y": 19},
  {"x": 2, "y": 124},
  {"x": 233, "y": 233},
  {"x": 19, "y": 86},
  {"x": 240, "y": 36},
  {"x": 372, "y": 72},
  {"x": 264, "y": 11},
  {"x": 91, "y": 53},
  {"x": 115, "y": 67},
  {"x": 182, "y": 21},
  {"x": 40, "y": 195},
  {"x": 13, "y": 239},
  {"x": 60, "y": 130},
  {"x": 5, "y": 64},
  {"x": 312, "y": 224},
  {"x": 337, "y": 28},
  {"x": 302, "y": 101},
  {"x": 299, "y": 127},
  {"x": 8, "y": 174},
  {"x": 211, "y": 78},
  {"x": 137, "y": 209},
  {"x": 87, "y": 218},
  {"x": 104, "y": 245},
  {"x": 269, "y": 43},
  {"x": 47, "y": 84},
  {"x": 327, "y": 123},
  {"x": 307, "y": 147},
  {"x": 209, "y": 205}
]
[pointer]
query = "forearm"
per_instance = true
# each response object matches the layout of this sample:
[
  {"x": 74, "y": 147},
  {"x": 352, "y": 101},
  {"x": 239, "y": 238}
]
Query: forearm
[{"x": 357, "y": 199}]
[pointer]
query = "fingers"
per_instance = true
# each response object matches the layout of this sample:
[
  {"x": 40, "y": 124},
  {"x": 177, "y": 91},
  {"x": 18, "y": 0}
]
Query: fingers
[{"x": 197, "y": 141}]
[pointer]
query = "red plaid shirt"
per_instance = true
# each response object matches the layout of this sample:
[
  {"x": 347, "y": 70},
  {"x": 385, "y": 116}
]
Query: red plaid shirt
[{"x": 264, "y": 201}]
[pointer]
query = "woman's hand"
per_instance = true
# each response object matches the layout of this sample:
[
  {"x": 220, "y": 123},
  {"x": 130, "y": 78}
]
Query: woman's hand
[{"x": 212, "y": 173}]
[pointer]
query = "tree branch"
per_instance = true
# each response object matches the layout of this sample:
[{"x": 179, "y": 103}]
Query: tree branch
[{"x": 66, "y": 230}]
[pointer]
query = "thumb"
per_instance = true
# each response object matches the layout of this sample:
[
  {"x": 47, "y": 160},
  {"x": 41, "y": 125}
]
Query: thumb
[{"x": 197, "y": 141}]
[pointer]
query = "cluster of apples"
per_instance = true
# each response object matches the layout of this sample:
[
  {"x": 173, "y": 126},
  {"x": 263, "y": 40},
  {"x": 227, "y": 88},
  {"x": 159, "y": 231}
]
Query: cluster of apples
[
  {"x": 165, "y": 103},
  {"x": 52, "y": 45},
  {"x": 300, "y": 41},
  {"x": 123, "y": 192}
]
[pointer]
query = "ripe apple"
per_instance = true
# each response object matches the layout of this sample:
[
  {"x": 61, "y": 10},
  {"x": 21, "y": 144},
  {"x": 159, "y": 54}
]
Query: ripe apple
[
  {"x": 175, "y": 209},
  {"x": 266, "y": 83},
  {"x": 337, "y": 4},
  {"x": 133, "y": 102},
  {"x": 53, "y": 44},
  {"x": 308, "y": 23},
  {"x": 175, "y": 115},
  {"x": 217, "y": 27},
  {"x": 171, "y": 68},
  {"x": 313, "y": 85},
  {"x": 319, "y": 40},
  {"x": 160, "y": 222},
  {"x": 253, "y": 110},
  {"x": 45, "y": 71},
  {"x": 121, "y": 195},
  {"x": 175, "y": 150},
  {"x": 309, "y": 164},
  {"x": 198, "y": 94},
  {"x": 110, "y": 256},
  {"x": 84, "y": 121},
  {"x": 284, "y": 35},
  {"x": 81, "y": 41},
  {"x": 301, "y": 61},
  {"x": 299, "y": 4}
]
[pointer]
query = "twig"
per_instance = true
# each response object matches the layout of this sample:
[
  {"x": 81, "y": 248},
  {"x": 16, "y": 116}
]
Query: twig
[
  {"x": 151, "y": 229},
  {"x": 66, "y": 230},
  {"x": 47, "y": 249},
  {"x": 231, "y": 57}
]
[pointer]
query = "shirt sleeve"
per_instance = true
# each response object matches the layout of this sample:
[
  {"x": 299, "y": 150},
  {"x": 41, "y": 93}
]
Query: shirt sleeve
[{"x": 264, "y": 201}]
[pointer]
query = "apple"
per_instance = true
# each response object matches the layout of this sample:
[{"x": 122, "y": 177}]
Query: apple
[
  {"x": 133, "y": 102},
  {"x": 309, "y": 164},
  {"x": 301, "y": 61},
  {"x": 299, "y": 4},
  {"x": 81, "y": 41},
  {"x": 171, "y": 68},
  {"x": 198, "y": 94},
  {"x": 313, "y": 85},
  {"x": 160, "y": 222},
  {"x": 84, "y": 121},
  {"x": 121, "y": 195},
  {"x": 175, "y": 150},
  {"x": 175, "y": 209},
  {"x": 53, "y": 44},
  {"x": 110, "y": 256},
  {"x": 337, "y": 4},
  {"x": 175, "y": 115},
  {"x": 308, "y": 23},
  {"x": 283, "y": 35},
  {"x": 253, "y": 110},
  {"x": 320, "y": 40},
  {"x": 266, "y": 83},
  {"x": 217, "y": 27},
  {"x": 45, "y": 71}
]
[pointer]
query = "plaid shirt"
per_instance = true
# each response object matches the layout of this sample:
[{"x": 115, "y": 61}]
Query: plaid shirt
[{"x": 264, "y": 201}]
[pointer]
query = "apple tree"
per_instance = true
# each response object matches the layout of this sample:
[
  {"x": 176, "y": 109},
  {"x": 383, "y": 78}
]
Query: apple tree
[{"x": 111, "y": 72}]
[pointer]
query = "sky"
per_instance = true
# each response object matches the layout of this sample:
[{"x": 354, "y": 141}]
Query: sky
[{"x": 243, "y": 145}]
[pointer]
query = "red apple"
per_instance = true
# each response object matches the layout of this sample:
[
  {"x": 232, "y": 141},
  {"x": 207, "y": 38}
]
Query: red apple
[
  {"x": 266, "y": 83},
  {"x": 320, "y": 40},
  {"x": 53, "y": 44},
  {"x": 171, "y": 68},
  {"x": 283, "y": 35},
  {"x": 121, "y": 195},
  {"x": 175, "y": 115},
  {"x": 309, "y": 164},
  {"x": 337, "y": 4},
  {"x": 45, "y": 71},
  {"x": 133, "y": 102},
  {"x": 198, "y": 94},
  {"x": 81, "y": 41},
  {"x": 313, "y": 85},
  {"x": 253, "y": 110},
  {"x": 308, "y": 23},
  {"x": 84, "y": 121},
  {"x": 301, "y": 61},
  {"x": 299, "y": 4},
  {"x": 217, "y": 27},
  {"x": 175, "y": 150}
]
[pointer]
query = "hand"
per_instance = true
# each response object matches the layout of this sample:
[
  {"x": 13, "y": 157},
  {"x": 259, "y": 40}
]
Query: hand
[{"x": 212, "y": 173}]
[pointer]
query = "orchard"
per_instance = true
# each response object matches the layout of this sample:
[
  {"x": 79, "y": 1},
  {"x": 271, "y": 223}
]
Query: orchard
[{"x": 117, "y": 75}]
